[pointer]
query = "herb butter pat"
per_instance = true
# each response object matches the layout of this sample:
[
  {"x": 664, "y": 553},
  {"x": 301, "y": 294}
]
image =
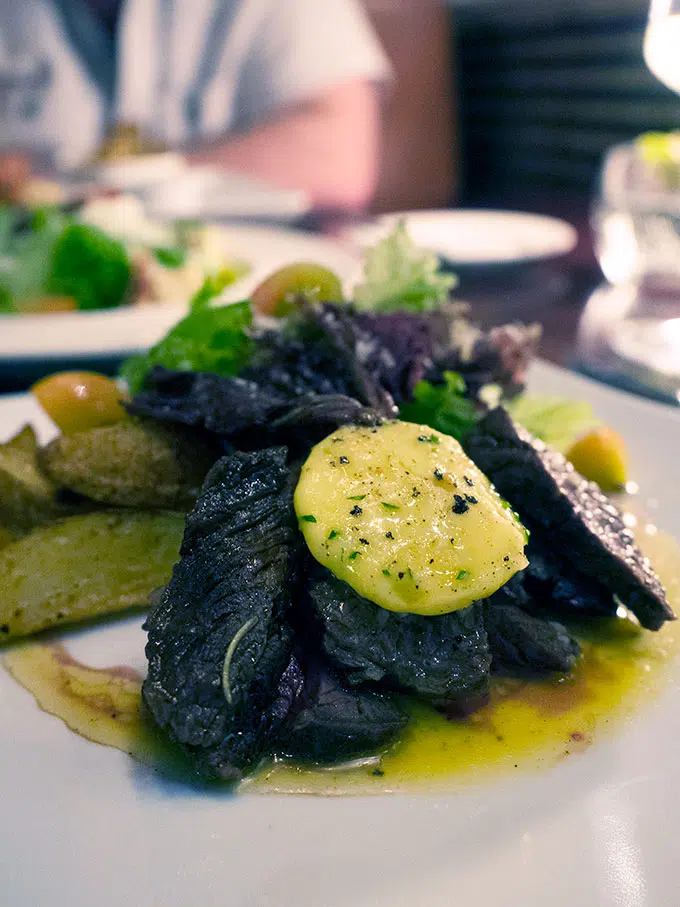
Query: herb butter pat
[{"x": 404, "y": 517}]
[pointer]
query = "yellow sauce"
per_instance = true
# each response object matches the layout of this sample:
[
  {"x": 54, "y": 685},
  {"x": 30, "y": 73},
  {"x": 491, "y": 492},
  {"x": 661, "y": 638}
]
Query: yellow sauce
[
  {"x": 526, "y": 726},
  {"x": 103, "y": 705}
]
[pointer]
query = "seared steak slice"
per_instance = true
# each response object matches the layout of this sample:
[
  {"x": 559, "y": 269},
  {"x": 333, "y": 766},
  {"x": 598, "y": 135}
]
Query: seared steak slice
[
  {"x": 523, "y": 644},
  {"x": 578, "y": 522},
  {"x": 330, "y": 722},
  {"x": 444, "y": 659},
  {"x": 219, "y": 640}
]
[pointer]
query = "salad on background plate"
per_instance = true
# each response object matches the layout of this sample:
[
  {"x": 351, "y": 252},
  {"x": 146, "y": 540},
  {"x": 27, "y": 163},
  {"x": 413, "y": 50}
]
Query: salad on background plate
[{"x": 106, "y": 254}]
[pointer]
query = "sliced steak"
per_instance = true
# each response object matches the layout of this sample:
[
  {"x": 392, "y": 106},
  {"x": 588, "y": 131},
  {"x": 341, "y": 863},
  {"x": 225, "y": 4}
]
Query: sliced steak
[
  {"x": 331, "y": 723},
  {"x": 219, "y": 643},
  {"x": 520, "y": 643},
  {"x": 444, "y": 659},
  {"x": 576, "y": 520}
]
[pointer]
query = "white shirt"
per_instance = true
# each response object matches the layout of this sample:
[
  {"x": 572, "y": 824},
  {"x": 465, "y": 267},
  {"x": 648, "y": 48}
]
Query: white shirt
[{"x": 184, "y": 70}]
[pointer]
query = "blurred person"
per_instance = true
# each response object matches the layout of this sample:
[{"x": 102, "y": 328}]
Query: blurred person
[
  {"x": 284, "y": 90},
  {"x": 420, "y": 160}
]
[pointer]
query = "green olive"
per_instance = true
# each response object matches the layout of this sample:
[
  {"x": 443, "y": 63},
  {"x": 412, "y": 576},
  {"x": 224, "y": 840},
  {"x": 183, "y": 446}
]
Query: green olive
[
  {"x": 79, "y": 400},
  {"x": 276, "y": 295}
]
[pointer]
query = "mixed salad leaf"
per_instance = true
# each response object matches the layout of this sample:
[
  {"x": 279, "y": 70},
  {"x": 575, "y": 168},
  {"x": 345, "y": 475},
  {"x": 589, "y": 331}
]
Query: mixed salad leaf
[
  {"x": 47, "y": 253},
  {"x": 556, "y": 421},
  {"x": 402, "y": 347},
  {"x": 208, "y": 339},
  {"x": 398, "y": 276}
]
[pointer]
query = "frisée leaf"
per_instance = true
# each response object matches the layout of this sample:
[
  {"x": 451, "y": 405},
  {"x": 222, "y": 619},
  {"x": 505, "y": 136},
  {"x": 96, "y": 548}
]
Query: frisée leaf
[{"x": 400, "y": 276}]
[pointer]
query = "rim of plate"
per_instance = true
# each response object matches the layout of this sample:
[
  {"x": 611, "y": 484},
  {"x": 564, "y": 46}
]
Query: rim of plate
[{"x": 526, "y": 236}]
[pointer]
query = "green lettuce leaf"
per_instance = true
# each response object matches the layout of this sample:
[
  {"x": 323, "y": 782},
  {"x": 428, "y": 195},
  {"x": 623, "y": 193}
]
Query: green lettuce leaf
[
  {"x": 27, "y": 252},
  {"x": 210, "y": 339},
  {"x": 89, "y": 266},
  {"x": 556, "y": 421},
  {"x": 170, "y": 256},
  {"x": 400, "y": 276},
  {"x": 442, "y": 406}
]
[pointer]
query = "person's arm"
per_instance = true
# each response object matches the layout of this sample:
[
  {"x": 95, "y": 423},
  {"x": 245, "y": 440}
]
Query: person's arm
[{"x": 327, "y": 147}]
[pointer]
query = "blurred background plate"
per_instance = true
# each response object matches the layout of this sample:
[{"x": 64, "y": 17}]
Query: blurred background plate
[
  {"x": 210, "y": 194},
  {"x": 476, "y": 237},
  {"x": 136, "y": 171},
  {"x": 26, "y": 341}
]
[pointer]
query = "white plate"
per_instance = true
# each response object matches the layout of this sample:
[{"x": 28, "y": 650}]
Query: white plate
[
  {"x": 137, "y": 171},
  {"x": 476, "y": 237},
  {"x": 205, "y": 193},
  {"x": 85, "y": 825},
  {"x": 117, "y": 332}
]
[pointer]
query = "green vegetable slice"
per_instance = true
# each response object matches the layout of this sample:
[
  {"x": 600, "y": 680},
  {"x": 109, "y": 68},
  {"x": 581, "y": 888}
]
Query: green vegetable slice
[
  {"x": 84, "y": 567},
  {"x": 556, "y": 421}
]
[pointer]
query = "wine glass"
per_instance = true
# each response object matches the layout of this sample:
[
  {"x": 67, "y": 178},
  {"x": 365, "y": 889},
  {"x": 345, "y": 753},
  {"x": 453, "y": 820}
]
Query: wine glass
[{"x": 630, "y": 331}]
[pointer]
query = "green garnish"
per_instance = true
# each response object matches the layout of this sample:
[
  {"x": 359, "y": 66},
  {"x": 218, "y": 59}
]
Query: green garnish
[
  {"x": 443, "y": 406},
  {"x": 333, "y": 534},
  {"x": 48, "y": 253},
  {"x": 556, "y": 421},
  {"x": 462, "y": 574},
  {"x": 210, "y": 339},
  {"x": 308, "y": 518},
  {"x": 400, "y": 276},
  {"x": 354, "y": 555},
  {"x": 171, "y": 257},
  {"x": 389, "y": 506},
  {"x": 386, "y": 573},
  {"x": 356, "y": 497}
]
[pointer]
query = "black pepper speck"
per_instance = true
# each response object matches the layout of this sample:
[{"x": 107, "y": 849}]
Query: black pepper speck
[
  {"x": 388, "y": 535},
  {"x": 471, "y": 499},
  {"x": 344, "y": 460},
  {"x": 356, "y": 510},
  {"x": 364, "y": 541},
  {"x": 469, "y": 481},
  {"x": 460, "y": 505}
]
